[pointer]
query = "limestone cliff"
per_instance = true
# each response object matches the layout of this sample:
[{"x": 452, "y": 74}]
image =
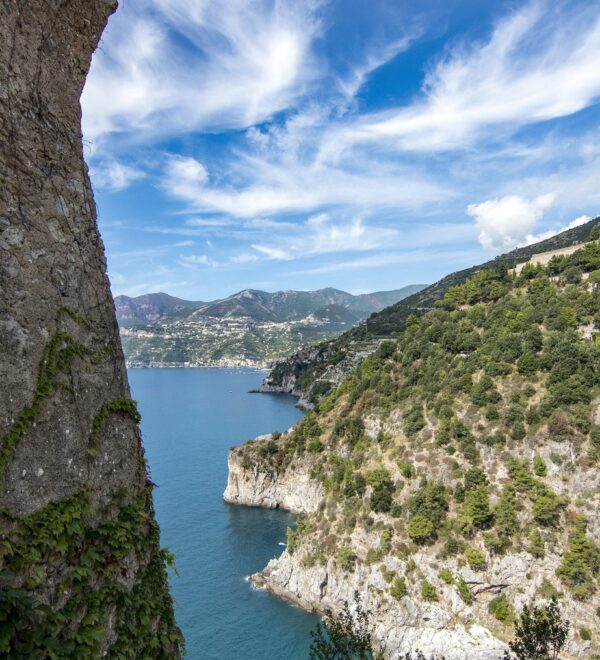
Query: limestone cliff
[
  {"x": 293, "y": 490},
  {"x": 460, "y": 470},
  {"x": 81, "y": 569}
]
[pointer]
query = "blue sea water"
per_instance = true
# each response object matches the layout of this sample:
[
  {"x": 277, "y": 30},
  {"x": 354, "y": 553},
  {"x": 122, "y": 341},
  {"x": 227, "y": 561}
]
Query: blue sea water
[{"x": 190, "y": 419}]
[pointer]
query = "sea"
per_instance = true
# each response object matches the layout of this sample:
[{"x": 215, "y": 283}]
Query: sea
[{"x": 190, "y": 419}]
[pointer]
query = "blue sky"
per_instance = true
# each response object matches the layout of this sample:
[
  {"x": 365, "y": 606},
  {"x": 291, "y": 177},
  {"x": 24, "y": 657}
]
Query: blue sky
[{"x": 361, "y": 144}]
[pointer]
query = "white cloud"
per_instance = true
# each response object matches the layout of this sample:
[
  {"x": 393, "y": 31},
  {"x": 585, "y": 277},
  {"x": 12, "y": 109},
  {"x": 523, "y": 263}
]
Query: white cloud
[
  {"x": 506, "y": 222},
  {"x": 113, "y": 176},
  {"x": 248, "y": 60},
  {"x": 194, "y": 260},
  {"x": 538, "y": 64},
  {"x": 320, "y": 234},
  {"x": 269, "y": 186},
  {"x": 536, "y": 238}
]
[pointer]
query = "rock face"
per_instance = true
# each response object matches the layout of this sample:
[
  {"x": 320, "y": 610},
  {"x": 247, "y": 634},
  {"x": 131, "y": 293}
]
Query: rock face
[
  {"x": 411, "y": 624},
  {"x": 297, "y": 492},
  {"x": 71, "y": 461}
]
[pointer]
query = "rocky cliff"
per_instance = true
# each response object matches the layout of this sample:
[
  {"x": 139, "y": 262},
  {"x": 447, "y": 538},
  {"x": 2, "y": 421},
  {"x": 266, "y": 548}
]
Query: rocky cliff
[
  {"x": 293, "y": 490},
  {"x": 460, "y": 470},
  {"x": 82, "y": 573}
]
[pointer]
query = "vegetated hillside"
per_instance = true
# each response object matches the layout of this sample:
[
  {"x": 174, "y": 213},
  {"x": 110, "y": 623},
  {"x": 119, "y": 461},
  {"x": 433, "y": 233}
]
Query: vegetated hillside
[
  {"x": 150, "y": 307},
  {"x": 312, "y": 372},
  {"x": 460, "y": 468},
  {"x": 248, "y": 328}
]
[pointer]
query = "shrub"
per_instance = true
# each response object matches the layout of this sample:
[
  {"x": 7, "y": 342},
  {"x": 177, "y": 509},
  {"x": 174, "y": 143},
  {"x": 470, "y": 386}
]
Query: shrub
[
  {"x": 398, "y": 589},
  {"x": 291, "y": 540},
  {"x": 539, "y": 467},
  {"x": 464, "y": 591},
  {"x": 381, "y": 498},
  {"x": 430, "y": 501},
  {"x": 420, "y": 529},
  {"x": 581, "y": 562},
  {"x": 536, "y": 544},
  {"x": 475, "y": 558},
  {"x": 585, "y": 634},
  {"x": 540, "y": 633},
  {"x": 476, "y": 506},
  {"x": 345, "y": 558},
  {"x": 428, "y": 591},
  {"x": 546, "y": 506},
  {"x": 346, "y": 636},
  {"x": 406, "y": 469},
  {"x": 505, "y": 516},
  {"x": 501, "y": 609},
  {"x": 446, "y": 576}
]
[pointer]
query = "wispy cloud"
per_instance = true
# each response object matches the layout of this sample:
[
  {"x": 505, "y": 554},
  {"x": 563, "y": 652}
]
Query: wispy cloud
[
  {"x": 538, "y": 64},
  {"x": 113, "y": 175},
  {"x": 169, "y": 66}
]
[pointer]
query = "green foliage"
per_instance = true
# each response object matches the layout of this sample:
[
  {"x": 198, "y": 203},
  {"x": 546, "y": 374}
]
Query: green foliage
[
  {"x": 585, "y": 634},
  {"x": 464, "y": 591},
  {"x": 430, "y": 501},
  {"x": 476, "y": 507},
  {"x": 540, "y": 634},
  {"x": 500, "y": 608},
  {"x": 291, "y": 540},
  {"x": 398, "y": 589},
  {"x": 475, "y": 558},
  {"x": 93, "y": 546},
  {"x": 506, "y": 522},
  {"x": 420, "y": 529},
  {"x": 539, "y": 467},
  {"x": 345, "y": 558},
  {"x": 428, "y": 591},
  {"x": 581, "y": 562},
  {"x": 446, "y": 576},
  {"x": 345, "y": 637},
  {"x": 536, "y": 544}
]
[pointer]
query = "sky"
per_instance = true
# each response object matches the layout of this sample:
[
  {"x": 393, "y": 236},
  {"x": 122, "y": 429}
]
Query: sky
[{"x": 359, "y": 144}]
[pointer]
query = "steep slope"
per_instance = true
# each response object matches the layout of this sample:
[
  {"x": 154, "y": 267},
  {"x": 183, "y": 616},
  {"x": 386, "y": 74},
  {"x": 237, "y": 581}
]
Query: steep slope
[
  {"x": 455, "y": 476},
  {"x": 151, "y": 307},
  {"x": 82, "y": 574},
  {"x": 312, "y": 372},
  {"x": 249, "y": 328}
]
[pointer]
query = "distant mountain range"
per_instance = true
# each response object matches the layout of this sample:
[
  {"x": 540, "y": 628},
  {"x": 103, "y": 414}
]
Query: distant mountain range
[{"x": 250, "y": 327}]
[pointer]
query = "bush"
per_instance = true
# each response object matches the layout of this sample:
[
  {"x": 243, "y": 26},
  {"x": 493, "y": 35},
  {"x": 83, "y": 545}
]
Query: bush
[
  {"x": 540, "y": 634},
  {"x": 501, "y": 609},
  {"x": 446, "y": 576},
  {"x": 428, "y": 591},
  {"x": 345, "y": 558},
  {"x": 381, "y": 498},
  {"x": 475, "y": 559},
  {"x": 420, "y": 529},
  {"x": 476, "y": 507},
  {"x": 346, "y": 636},
  {"x": 398, "y": 589},
  {"x": 464, "y": 591},
  {"x": 585, "y": 634},
  {"x": 539, "y": 467},
  {"x": 580, "y": 563},
  {"x": 536, "y": 544}
]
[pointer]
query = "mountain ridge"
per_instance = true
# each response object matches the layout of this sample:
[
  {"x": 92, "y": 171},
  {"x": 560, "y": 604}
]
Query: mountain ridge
[
  {"x": 248, "y": 328},
  {"x": 312, "y": 371}
]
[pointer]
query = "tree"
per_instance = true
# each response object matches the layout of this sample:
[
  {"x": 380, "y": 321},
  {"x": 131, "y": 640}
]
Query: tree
[
  {"x": 540, "y": 633},
  {"x": 347, "y": 637}
]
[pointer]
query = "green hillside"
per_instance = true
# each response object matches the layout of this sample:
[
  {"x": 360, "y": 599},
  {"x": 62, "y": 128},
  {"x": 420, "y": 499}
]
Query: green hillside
[{"x": 472, "y": 438}]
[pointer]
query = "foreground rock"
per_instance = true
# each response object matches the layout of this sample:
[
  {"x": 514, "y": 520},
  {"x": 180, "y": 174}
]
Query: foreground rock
[{"x": 76, "y": 523}]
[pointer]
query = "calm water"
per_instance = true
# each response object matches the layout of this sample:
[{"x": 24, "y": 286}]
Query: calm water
[{"x": 190, "y": 419}]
